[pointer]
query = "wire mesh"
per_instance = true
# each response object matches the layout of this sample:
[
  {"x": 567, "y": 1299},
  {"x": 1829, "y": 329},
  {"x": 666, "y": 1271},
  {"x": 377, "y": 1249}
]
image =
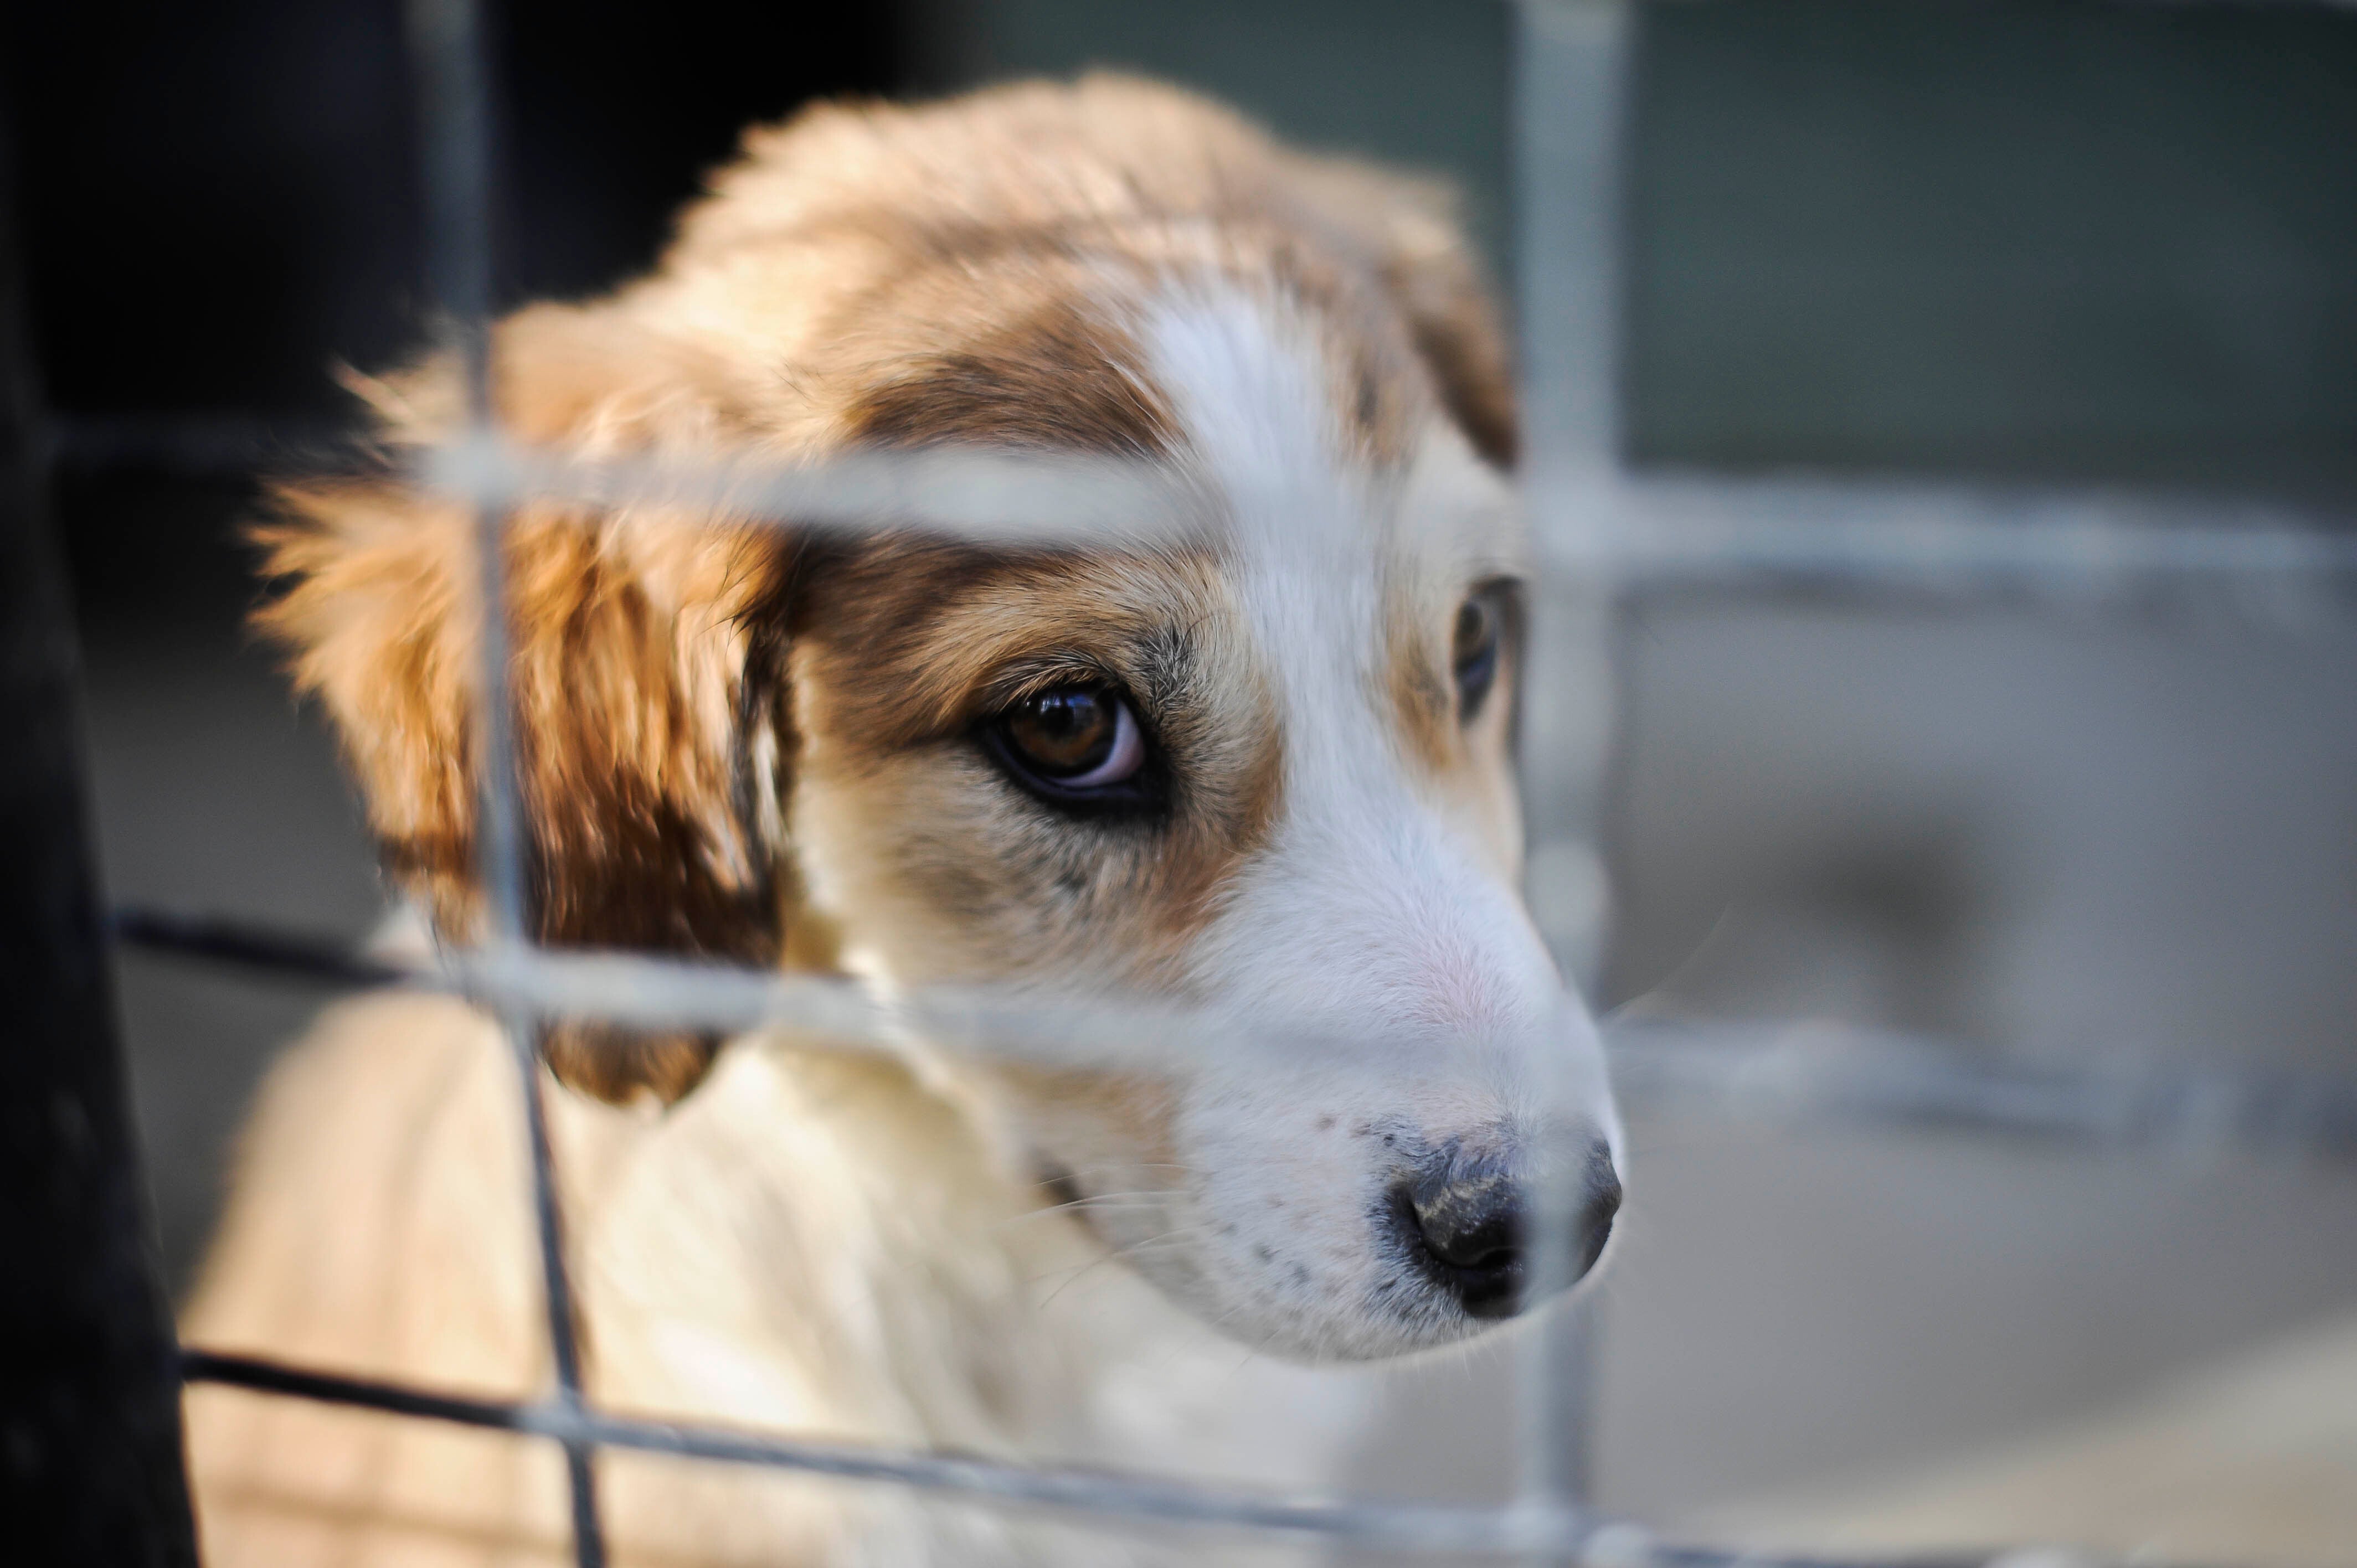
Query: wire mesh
[
  {"x": 1603, "y": 535},
  {"x": 1804, "y": 1071}
]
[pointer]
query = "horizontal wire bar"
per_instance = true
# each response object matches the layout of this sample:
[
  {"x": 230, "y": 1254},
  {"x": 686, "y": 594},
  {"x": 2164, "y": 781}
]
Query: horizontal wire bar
[
  {"x": 994, "y": 495},
  {"x": 1399, "y": 1528},
  {"x": 1762, "y": 1069},
  {"x": 228, "y": 445},
  {"x": 1872, "y": 535},
  {"x": 1638, "y": 531},
  {"x": 1647, "y": 531},
  {"x": 271, "y": 949},
  {"x": 1844, "y": 1073},
  {"x": 646, "y": 993}
]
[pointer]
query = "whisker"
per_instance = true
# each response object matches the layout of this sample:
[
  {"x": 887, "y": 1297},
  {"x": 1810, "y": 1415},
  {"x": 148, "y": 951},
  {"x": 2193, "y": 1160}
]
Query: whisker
[
  {"x": 1131, "y": 1249},
  {"x": 1075, "y": 1276},
  {"x": 1090, "y": 1199},
  {"x": 1113, "y": 1201},
  {"x": 1128, "y": 1168}
]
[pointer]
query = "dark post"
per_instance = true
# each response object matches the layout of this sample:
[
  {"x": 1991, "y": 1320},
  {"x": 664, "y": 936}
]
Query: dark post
[{"x": 90, "y": 1386}]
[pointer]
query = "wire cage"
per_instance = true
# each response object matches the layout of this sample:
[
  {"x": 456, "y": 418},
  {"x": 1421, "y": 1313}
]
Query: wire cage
[{"x": 1607, "y": 536}]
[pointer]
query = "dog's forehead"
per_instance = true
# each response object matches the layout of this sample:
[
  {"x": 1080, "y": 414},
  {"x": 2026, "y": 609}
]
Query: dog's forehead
[
  {"x": 1340, "y": 513},
  {"x": 1339, "y": 482}
]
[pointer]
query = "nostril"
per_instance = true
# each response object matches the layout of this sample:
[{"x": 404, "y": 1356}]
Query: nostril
[
  {"x": 1465, "y": 1230},
  {"x": 1492, "y": 1242},
  {"x": 1468, "y": 1234}
]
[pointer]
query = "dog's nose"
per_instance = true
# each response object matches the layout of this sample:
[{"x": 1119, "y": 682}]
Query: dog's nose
[{"x": 1468, "y": 1224}]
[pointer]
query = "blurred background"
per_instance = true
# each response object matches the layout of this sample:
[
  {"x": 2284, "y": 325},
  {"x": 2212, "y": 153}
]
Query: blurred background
[{"x": 2103, "y": 243}]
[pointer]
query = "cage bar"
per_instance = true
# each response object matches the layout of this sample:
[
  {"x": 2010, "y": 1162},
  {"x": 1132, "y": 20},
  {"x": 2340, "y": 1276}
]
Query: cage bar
[
  {"x": 1571, "y": 70},
  {"x": 447, "y": 43}
]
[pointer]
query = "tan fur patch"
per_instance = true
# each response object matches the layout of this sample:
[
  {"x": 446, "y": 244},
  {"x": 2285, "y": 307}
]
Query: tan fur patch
[{"x": 626, "y": 716}]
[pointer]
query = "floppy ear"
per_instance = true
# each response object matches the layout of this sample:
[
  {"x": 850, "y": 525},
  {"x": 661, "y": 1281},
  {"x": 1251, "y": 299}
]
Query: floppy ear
[
  {"x": 647, "y": 677},
  {"x": 1407, "y": 230}
]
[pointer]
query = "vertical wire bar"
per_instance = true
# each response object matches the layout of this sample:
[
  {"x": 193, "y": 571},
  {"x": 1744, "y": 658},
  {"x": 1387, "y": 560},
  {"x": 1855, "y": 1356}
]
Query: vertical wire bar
[
  {"x": 447, "y": 45},
  {"x": 445, "y": 39},
  {"x": 563, "y": 1340},
  {"x": 1570, "y": 66},
  {"x": 1570, "y": 91}
]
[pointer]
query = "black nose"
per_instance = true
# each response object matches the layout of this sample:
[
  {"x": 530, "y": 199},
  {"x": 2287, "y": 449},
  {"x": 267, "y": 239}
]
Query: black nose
[{"x": 1464, "y": 1223}]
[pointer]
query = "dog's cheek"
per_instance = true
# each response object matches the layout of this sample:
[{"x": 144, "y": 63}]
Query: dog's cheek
[
  {"x": 1107, "y": 1136},
  {"x": 1292, "y": 1169},
  {"x": 938, "y": 873}
]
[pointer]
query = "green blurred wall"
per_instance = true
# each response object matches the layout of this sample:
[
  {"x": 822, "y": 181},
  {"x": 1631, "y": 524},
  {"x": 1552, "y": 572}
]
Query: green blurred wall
[{"x": 2093, "y": 241}]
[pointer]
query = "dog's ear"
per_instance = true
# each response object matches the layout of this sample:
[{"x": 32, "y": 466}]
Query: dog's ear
[
  {"x": 1407, "y": 230},
  {"x": 647, "y": 675}
]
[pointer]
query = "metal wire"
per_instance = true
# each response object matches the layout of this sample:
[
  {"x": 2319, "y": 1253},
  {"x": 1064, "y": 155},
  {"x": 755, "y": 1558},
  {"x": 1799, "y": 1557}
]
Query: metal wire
[
  {"x": 229, "y": 446},
  {"x": 1398, "y": 1529},
  {"x": 1632, "y": 534},
  {"x": 1571, "y": 81},
  {"x": 447, "y": 47},
  {"x": 1782, "y": 1071}
]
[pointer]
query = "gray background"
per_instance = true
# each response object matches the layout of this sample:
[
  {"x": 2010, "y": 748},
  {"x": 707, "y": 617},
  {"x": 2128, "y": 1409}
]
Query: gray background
[{"x": 2075, "y": 241}]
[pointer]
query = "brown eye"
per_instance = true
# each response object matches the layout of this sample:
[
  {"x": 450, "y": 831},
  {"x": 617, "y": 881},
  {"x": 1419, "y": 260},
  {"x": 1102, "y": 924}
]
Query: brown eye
[
  {"x": 1073, "y": 738},
  {"x": 1474, "y": 651}
]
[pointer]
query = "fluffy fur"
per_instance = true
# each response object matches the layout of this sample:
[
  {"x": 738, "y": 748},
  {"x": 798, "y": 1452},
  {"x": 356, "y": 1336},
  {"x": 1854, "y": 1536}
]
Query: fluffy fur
[{"x": 757, "y": 744}]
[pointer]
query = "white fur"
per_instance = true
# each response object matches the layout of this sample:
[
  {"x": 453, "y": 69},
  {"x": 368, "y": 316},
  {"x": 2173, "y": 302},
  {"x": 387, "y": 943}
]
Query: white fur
[{"x": 1370, "y": 918}]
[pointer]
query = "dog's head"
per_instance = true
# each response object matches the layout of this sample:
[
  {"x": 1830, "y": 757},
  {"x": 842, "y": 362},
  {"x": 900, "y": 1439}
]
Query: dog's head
[{"x": 1258, "y": 764}]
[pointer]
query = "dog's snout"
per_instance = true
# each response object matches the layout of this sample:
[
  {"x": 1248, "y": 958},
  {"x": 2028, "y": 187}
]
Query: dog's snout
[{"x": 1467, "y": 1226}]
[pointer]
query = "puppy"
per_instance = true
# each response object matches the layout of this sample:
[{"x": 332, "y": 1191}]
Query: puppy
[{"x": 1256, "y": 766}]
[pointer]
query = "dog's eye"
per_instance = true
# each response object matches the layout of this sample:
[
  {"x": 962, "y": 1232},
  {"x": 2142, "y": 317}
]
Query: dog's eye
[
  {"x": 1474, "y": 651},
  {"x": 1075, "y": 740}
]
